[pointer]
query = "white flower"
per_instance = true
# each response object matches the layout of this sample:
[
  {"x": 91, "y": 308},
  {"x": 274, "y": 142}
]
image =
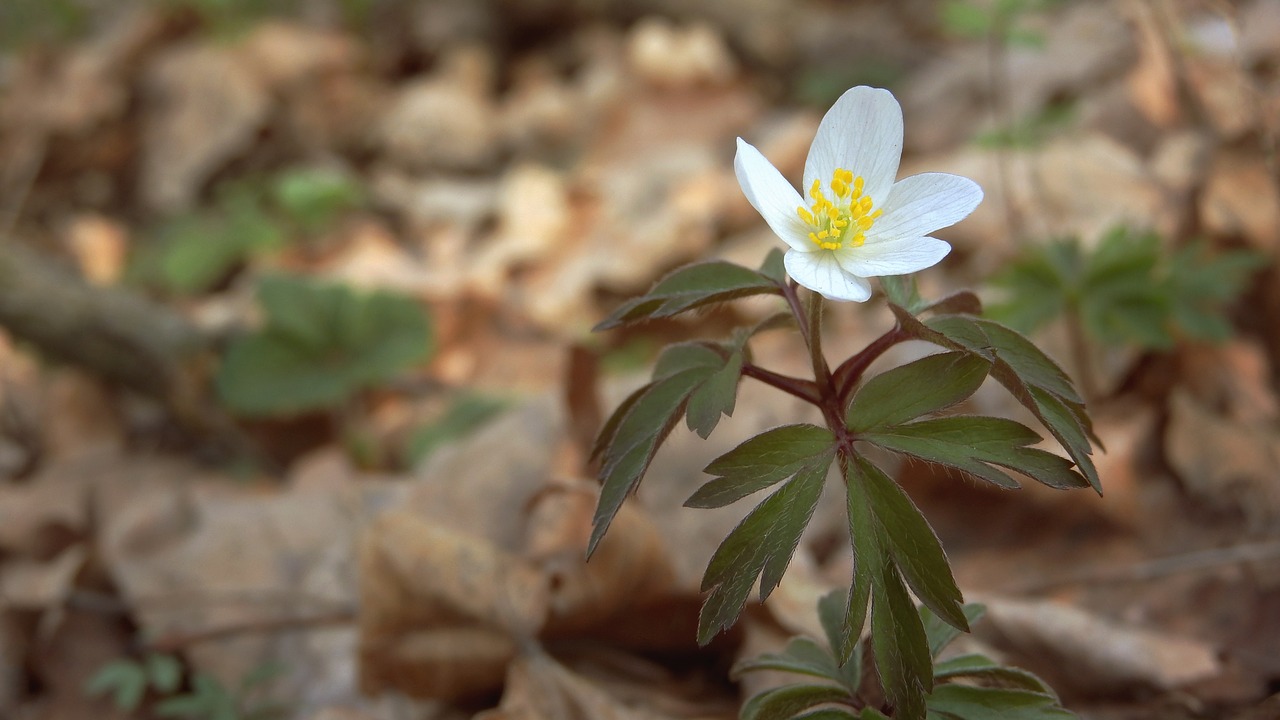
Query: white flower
[{"x": 858, "y": 223}]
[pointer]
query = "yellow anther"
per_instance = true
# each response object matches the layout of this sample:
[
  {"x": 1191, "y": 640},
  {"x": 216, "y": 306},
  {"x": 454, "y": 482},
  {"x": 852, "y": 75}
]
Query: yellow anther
[{"x": 833, "y": 221}]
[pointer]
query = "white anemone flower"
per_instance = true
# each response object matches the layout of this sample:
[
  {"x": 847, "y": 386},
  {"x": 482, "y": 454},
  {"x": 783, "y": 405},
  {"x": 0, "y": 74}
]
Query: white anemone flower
[{"x": 858, "y": 223}]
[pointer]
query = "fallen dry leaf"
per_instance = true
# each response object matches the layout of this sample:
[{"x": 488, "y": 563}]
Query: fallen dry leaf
[{"x": 1082, "y": 654}]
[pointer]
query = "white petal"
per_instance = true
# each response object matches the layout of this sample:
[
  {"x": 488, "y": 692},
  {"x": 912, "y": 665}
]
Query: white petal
[
  {"x": 820, "y": 272},
  {"x": 894, "y": 256},
  {"x": 921, "y": 204},
  {"x": 771, "y": 195},
  {"x": 861, "y": 133}
]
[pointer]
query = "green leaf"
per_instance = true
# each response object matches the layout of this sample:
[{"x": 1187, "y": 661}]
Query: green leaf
[
  {"x": 967, "y": 702},
  {"x": 869, "y": 556},
  {"x": 762, "y": 461},
  {"x": 760, "y": 546},
  {"x": 320, "y": 344},
  {"x": 972, "y": 444},
  {"x": 164, "y": 672},
  {"x": 941, "y": 632},
  {"x": 466, "y": 414},
  {"x": 917, "y": 388},
  {"x": 831, "y": 713},
  {"x": 610, "y": 429},
  {"x": 1070, "y": 427},
  {"x": 1020, "y": 354},
  {"x": 126, "y": 680},
  {"x": 964, "y": 302},
  {"x": 913, "y": 545},
  {"x": 990, "y": 673},
  {"x": 802, "y": 656},
  {"x": 965, "y": 18},
  {"x": 785, "y": 702},
  {"x": 691, "y": 287},
  {"x": 687, "y": 356},
  {"x": 716, "y": 397},
  {"x": 835, "y": 614},
  {"x": 315, "y": 197},
  {"x": 900, "y": 647},
  {"x": 773, "y": 267},
  {"x": 903, "y": 292},
  {"x": 640, "y": 431},
  {"x": 1200, "y": 285}
]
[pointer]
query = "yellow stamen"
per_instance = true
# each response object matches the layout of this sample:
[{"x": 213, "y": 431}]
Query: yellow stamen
[{"x": 845, "y": 221}]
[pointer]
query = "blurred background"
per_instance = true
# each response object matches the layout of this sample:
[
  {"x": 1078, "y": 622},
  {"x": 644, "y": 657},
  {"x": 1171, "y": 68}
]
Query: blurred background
[{"x": 298, "y": 383}]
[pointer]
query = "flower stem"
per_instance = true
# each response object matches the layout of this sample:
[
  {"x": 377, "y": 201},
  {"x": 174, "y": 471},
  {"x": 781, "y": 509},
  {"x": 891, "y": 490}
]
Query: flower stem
[
  {"x": 846, "y": 376},
  {"x": 806, "y": 390}
]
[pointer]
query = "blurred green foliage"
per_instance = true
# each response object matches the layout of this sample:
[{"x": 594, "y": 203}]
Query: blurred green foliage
[
  {"x": 1126, "y": 289},
  {"x": 998, "y": 20},
  {"x": 467, "y": 413},
  {"x": 1031, "y": 132},
  {"x": 319, "y": 345},
  {"x": 25, "y": 23},
  {"x": 192, "y": 252},
  {"x": 129, "y": 681}
]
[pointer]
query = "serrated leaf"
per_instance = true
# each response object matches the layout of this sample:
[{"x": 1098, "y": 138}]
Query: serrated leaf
[
  {"x": 990, "y": 673},
  {"x": 917, "y": 388},
  {"x": 940, "y": 632},
  {"x": 900, "y": 647},
  {"x": 762, "y": 461},
  {"x": 868, "y": 558},
  {"x": 972, "y": 444},
  {"x": 912, "y": 544},
  {"x": 1020, "y": 354},
  {"x": 785, "y": 702},
  {"x": 966, "y": 702},
  {"x": 834, "y": 613},
  {"x": 691, "y": 287},
  {"x": 610, "y": 429},
  {"x": 802, "y": 656},
  {"x": 1069, "y": 426},
  {"x": 760, "y": 546},
  {"x": 716, "y": 397},
  {"x": 635, "y": 441},
  {"x": 687, "y": 356}
]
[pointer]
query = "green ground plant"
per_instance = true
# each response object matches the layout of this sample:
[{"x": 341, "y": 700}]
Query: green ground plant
[{"x": 895, "y": 549}]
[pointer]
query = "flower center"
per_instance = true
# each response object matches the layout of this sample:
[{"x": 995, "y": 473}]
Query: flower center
[{"x": 843, "y": 222}]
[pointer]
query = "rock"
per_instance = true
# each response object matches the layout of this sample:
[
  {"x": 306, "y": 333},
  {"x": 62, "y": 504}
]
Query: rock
[
  {"x": 202, "y": 106},
  {"x": 448, "y": 121}
]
